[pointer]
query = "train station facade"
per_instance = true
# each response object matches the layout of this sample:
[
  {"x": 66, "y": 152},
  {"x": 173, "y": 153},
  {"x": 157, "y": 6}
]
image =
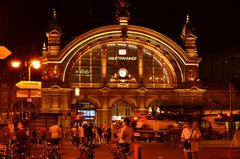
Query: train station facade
[{"x": 119, "y": 70}]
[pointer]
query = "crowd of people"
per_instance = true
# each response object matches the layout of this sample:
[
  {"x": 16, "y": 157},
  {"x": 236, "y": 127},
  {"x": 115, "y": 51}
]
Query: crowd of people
[
  {"x": 57, "y": 134},
  {"x": 88, "y": 133}
]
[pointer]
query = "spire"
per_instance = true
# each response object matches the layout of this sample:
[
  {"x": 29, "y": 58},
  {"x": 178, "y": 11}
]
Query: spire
[
  {"x": 189, "y": 39},
  {"x": 54, "y": 24},
  {"x": 53, "y": 34},
  {"x": 187, "y": 19},
  {"x": 44, "y": 48},
  {"x": 54, "y": 14},
  {"x": 122, "y": 14},
  {"x": 187, "y": 28}
]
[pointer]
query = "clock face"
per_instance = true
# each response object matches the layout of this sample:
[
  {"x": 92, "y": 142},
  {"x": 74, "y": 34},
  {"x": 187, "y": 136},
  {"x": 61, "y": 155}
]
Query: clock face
[{"x": 122, "y": 72}]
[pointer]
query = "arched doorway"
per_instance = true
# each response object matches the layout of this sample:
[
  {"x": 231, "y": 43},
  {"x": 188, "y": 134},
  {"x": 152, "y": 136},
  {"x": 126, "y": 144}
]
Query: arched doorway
[
  {"x": 87, "y": 110},
  {"x": 24, "y": 110},
  {"x": 121, "y": 109}
]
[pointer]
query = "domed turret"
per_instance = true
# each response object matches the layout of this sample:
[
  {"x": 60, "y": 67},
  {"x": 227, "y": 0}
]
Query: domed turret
[
  {"x": 189, "y": 39},
  {"x": 187, "y": 28}
]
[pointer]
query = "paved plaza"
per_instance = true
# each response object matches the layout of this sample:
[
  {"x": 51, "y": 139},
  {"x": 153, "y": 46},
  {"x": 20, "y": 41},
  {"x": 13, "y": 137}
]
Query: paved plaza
[{"x": 208, "y": 150}]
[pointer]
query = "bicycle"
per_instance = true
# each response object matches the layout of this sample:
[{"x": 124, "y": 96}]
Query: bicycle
[
  {"x": 51, "y": 151},
  {"x": 122, "y": 151},
  {"x": 5, "y": 155},
  {"x": 173, "y": 138},
  {"x": 87, "y": 151},
  {"x": 14, "y": 151}
]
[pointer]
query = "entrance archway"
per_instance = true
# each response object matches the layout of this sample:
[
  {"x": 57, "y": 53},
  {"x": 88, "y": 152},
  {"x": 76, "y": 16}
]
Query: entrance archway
[
  {"x": 24, "y": 110},
  {"x": 87, "y": 110},
  {"x": 121, "y": 109}
]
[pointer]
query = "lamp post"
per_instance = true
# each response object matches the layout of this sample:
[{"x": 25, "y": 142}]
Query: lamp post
[
  {"x": 77, "y": 93},
  {"x": 36, "y": 64},
  {"x": 231, "y": 110}
]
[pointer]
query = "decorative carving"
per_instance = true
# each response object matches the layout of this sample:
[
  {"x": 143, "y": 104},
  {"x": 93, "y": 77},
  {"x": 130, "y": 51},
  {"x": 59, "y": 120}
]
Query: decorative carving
[
  {"x": 51, "y": 72},
  {"x": 122, "y": 8},
  {"x": 104, "y": 53}
]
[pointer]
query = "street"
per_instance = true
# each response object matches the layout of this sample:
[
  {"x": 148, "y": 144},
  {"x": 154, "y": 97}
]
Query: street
[{"x": 153, "y": 151}]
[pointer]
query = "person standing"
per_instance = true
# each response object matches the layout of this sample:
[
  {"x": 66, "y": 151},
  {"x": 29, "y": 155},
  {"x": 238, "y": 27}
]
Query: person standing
[
  {"x": 55, "y": 134},
  {"x": 99, "y": 134},
  {"x": 192, "y": 135},
  {"x": 43, "y": 135},
  {"x": 236, "y": 137},
  {"x": 74, "y": 135},
  {"x": 209, "y": 130},
  {"x": 21, "y": 140},
  {"x": 34, "y": 138},
  {"x": 109, "y": 133},
  {"x": 5, "y": 135},
  {"x": 81, "y": 134},
  {"x": 125, "y": 135},
  {"x": 89, "y": 133}
]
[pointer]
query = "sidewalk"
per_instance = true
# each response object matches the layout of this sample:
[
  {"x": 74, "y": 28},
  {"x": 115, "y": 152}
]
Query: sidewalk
[{"x": 216, "y": 143}]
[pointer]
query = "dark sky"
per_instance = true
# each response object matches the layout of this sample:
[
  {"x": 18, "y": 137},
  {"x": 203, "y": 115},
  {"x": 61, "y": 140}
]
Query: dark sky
[{"x": 23, "y": 23}]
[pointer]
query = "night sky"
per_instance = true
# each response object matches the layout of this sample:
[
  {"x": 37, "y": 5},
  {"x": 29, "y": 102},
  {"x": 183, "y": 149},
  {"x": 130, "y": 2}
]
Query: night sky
[{"x": 23, "y": 23}]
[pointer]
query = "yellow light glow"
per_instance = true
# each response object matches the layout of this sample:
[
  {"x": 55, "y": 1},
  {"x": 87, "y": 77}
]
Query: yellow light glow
[
  {"x": 36, "y": 64},
  {"x": 77, "y": 91},
  {"x": 150, "y": 109},
  {"x": 15, "y": 64}
]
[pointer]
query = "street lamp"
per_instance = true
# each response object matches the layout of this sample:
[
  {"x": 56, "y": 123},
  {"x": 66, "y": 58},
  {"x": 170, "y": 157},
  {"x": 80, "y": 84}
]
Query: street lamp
[
  {"x": 77, "y": 93},
  {"x": 36, "y": 64}
]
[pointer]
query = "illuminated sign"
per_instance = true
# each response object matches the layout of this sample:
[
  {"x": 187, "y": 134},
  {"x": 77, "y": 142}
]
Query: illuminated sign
[
  {"x": 83, "y": 72},
  {"x": 4, "y": 52},
  {"x": 29, "y": 84},
  {"x": 88, "y": 113},
  {"x": 123, "y": 58},
  {"x": 122, "y": 52}
]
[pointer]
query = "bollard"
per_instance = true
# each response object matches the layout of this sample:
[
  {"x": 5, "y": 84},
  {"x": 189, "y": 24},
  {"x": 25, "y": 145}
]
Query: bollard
[{"x": 139, "y": 152}]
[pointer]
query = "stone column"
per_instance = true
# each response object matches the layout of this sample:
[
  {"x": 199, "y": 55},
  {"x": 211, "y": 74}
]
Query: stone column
[
  {"x": 103, "y": 115},
  {"x": 104, "y": 63},
  {"x": 141, "y": 101},
  {"x": 140, "y": 64}
]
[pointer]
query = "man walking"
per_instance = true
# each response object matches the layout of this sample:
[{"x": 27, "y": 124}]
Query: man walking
[{"x": 55, "y": 134}]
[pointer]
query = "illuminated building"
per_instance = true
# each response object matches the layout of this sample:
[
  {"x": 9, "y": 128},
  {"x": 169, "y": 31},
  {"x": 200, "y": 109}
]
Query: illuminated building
[{"x": 121, "y": 70}]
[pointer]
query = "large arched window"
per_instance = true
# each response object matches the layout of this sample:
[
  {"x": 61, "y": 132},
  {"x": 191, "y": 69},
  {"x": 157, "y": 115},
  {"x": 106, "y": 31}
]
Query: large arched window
[
  {"x": 154, "y": 69},
  {"x": 87, "y": 68},
  {"x": 121, "y": 109}
]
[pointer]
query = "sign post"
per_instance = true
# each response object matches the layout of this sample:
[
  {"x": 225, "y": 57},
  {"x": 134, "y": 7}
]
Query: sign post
[
  {"x": 4, "y": 52},
  {"x": 29, "y": 85},
  {"x": 29, "y": 90}
]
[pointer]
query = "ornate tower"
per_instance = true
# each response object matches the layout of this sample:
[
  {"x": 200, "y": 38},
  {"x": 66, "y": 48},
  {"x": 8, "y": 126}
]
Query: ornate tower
[
  {"x": 54, "y": 36},
  {"x": 51, "y": 49},
  {"x": 122, "y": 14},
  {"x": 189, "y": 39}
]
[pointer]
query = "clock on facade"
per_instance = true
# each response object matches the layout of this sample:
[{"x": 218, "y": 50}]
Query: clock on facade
[{"x": 122, "y": 72}]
